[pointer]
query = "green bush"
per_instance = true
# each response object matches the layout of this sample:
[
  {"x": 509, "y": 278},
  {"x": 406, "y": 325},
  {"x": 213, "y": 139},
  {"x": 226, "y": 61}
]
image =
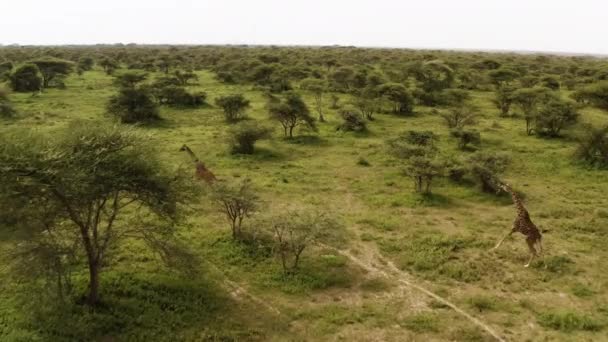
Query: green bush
[
  {"x": 467, "y": 137},
  {"x": 487, "y": 168},
  {"x": 133, "y": 105},
  {"x": 244, "y": 136},
  {"x": 26, "y": 78},
  {"x": 352, "y": 121},
  {"x": 6, "y": 108},
  {"x": 593, "y": 147}
]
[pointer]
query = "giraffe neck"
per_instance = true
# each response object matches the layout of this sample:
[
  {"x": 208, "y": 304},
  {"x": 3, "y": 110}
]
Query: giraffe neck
[
  {"x": 191, "y": 154},
  {"x": 518, "y": 202}
]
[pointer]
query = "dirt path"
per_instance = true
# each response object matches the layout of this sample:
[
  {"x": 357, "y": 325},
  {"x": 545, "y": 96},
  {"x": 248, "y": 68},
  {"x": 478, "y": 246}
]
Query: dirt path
[
  {"x": 238, "y": 292},
  {"x": 392, "y": 272}
]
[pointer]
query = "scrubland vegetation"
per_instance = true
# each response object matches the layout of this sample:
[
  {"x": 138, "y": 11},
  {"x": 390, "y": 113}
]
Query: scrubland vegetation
[{"x": 356, "y": 197}]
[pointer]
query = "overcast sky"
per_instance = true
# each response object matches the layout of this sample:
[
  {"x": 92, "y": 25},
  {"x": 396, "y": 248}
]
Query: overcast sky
[{"x": 539, "y": 25}]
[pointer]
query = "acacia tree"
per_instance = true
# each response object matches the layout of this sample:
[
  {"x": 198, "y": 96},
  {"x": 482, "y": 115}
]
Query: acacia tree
[
  {"x": 291, "y": 111},
  {"x": 233, "y": 105},
  {"x": 504, "y": 99},
  {"x": 593, "y": 147},
  {"x": 317, "y": 87},
  {"x": 295, "y": 231},
  {"x": 555, "y": 116},
  {"x": 68, "y": 199},
  {"x": 400, "y": 98},
  {"x": 52, "y": 68},
  {"x": 529, "y": 100},
  {"x": 235, "y": 202}
]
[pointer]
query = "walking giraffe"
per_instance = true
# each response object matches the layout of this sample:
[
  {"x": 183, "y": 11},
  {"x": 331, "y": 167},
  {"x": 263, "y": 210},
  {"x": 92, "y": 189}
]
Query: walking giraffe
[
  {"x": 201, "y": 171},
  {"x": 524, "y": 225}
]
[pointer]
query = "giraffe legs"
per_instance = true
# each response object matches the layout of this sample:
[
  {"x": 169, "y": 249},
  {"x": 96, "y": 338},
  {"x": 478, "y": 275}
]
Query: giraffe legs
[
  {"x": 533, "y": 252},
  {"x": 503, "y": 239}
]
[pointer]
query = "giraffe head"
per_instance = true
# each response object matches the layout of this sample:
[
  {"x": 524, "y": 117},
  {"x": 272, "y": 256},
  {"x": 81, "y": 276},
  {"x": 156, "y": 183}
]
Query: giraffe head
[{"x": 504, "y": 186}]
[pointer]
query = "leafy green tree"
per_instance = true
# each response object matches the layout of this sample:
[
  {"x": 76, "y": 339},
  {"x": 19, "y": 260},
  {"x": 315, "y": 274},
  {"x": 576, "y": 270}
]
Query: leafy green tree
[
  {"x": 352, "y": 121},
  {"x": 164, "y": 62},
  {"x": 554, "y": 116},
  {"x": 434, "y": 75},
  {"x": 487, "y": 168},
  {"x": 593, "y": 147},
  {"x": 529, "y": 100},
  {"x": 130, "y": 79},
  {"x": 79, "y": 197},
  {"x": 26, "y": 78},
  {"x": 318, "y": 88},
  {"x": 466, "y": 138},
  {"x": 185, "y": 77},
  {"x": 368, "y": 102},
  {"x": 296, "y": 230},
  {"x": 400, "y": 98},
  {"x": 53, "y": 69},
  {"x": 460, "y": 116},
  {"x": 133, "y": 105},
  {"x": 172, "y": 95},
  {"x": 550, "y": 82},
  {"x": 342, "y": 78},
  {"x": 291, "y": 111},
  {"x": 423, "y": 169},
  {"x": 504, "y": 99},
  {"x": 85, "y": 63},
  {"x": 596, "y": 94},
  {"x": 5, "y": 70},
  {"x": 503, "y": 76},
  {"x": 244, "y": 136},
  {"x": 108, "y": 65},
  {"x": 234, "y": 106}
]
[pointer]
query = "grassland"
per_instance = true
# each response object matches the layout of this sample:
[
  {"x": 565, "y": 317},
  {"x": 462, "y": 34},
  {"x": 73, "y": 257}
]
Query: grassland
[{"x": 441, "y": 243}]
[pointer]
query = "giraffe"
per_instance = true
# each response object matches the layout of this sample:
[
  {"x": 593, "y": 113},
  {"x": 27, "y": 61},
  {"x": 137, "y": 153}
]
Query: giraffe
[
  {"x": 201, "y": 171},
  {"x": 524, "y": 225}
]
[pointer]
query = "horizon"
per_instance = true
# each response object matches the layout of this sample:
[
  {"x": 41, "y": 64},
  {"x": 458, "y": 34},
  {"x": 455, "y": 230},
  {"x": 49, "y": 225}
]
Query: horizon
[{"x": 478, "y": 25}]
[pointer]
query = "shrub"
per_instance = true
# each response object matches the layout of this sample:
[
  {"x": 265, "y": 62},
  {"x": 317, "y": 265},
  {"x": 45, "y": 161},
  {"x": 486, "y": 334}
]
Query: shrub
[
  {"x": 26, "y": 78},
  {"x": 460, "y": 117},
  {"x": 178, "y": 96},
  {"x": 235, "y": 202},
  {"x": 466, "y": 138},
  {"x": 133, "y": 105},
  {"x": 486, "y": 168},
  {"x": 352, "y": 121},
  {"x": 596, "y": 94},
  {"x": 413, "y": 143},
  {"x": 233, "y": 106},
  {"x": 244, "y": 136},
  {"x": 569, "y": 321},
  {"x": 294, "y": 231},
  {"x": 290, "y": 112},
  {"x": 423, "y": 169},
  {"x": 593, "y": 147},
  {"x": 554, "y": 116}
]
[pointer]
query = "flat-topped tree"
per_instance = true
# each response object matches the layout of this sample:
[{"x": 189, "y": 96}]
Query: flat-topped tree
[
  {"x": 318, "y": 88},
  {"x": 291, "y": 111},
  {"x": 52, "y": 68},
  {"x": 68, "y": 198}
]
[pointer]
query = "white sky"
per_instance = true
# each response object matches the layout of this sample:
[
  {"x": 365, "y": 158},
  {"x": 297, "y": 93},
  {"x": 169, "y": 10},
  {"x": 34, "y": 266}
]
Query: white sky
[{"x": 539, "y": 25}]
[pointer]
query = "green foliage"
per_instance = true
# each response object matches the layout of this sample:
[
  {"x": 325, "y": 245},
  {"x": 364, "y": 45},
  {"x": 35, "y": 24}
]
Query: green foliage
[
  {"x": 244, "y": 136},
  {"x": 413, "y": 143},
  {"x": 352, "y": 121},
  {"x": 53, "y": 70},
  {"x": 569, "y": 321},
  {"x": 401, "y": 99},
  {"x": 502, "y": 77},
  {"x": 593, "y": 147},
  {"x": 423, "y": 169},
  {"x": 290, "y": 112},
  {"x": 133, "y": 105},
  {"x": 466, "y": 138},
  {"x": 318, "y": 88},
  {"x": 129, "y": 79},
  {"x": 233, "y": 106},
  {"x": 504, "y": 99},
  {"x": 596, "y": 94},
  {"x": 554, "y": 116},
  {"x": 26, "y": 78},
  {"x": 460, "y": 116},
  {"x": 236, "y": 202},
  {"x": 66, "y": 199},
  {"x": 530, "y": 100},
  {"x": 295, "y": 230},
  {"x": 178, "y": 96},
  {"x": 486, "y": 168}
]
